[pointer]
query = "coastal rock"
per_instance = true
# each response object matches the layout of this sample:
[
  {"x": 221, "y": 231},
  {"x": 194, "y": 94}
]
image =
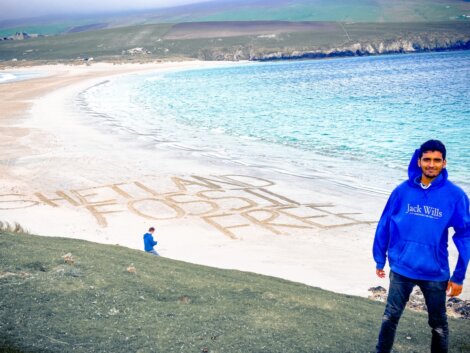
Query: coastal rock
[
  {"x": 378, "y": 294},
  {"x": 456, "y": 307},
  {"x": 68, "y": 258},
  {"x": 459, "y": 307},
  {"x": 411, "y": 44},
  {"x": 225, "y": 54},
  {"x": 414, "y": 43},
  {"x": 378, "y": 290}
]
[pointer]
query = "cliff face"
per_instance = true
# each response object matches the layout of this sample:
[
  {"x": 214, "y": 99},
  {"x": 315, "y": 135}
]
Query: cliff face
[{"x": 409, "y": 44}]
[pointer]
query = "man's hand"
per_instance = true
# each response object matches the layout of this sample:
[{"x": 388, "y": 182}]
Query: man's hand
[
  {"x": 454, "y": 289},
  {"x": 381, "y": 273}
]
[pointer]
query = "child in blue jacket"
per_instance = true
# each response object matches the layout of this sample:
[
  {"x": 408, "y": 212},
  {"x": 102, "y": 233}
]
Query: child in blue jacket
[{"x": 149, "y": 243}]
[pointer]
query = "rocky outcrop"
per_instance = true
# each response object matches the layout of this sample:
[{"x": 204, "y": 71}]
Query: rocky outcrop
[
  {"x": 411, "y": 44},
  {"x": 225, "y": 54},
  {"x": 456, "y": 307},
  {"x": 402, "y": 45}
]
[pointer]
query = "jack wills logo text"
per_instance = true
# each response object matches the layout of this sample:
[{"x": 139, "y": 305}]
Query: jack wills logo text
[{"x": 424, "y": 211}]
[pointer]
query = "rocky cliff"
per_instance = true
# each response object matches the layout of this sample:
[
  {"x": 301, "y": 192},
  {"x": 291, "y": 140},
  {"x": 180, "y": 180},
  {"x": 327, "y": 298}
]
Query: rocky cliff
[{"x": 405, "y": 44}]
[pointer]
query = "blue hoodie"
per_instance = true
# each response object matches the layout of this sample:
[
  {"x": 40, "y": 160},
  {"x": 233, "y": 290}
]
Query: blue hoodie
[
  {"x": 149, "y": 243},
  {"x": 413, "y": 229}
]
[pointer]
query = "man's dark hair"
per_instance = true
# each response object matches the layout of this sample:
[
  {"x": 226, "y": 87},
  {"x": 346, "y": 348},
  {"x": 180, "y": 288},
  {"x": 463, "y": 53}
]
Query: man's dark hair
[
  {"x": 432, "y": 145},
  {"x": 151, "y": 229}
]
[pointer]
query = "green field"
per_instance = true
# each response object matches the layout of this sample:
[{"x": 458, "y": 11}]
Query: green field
[
  {"x": 327, "y": 11},
  {"x": 114, "y": 44},
  {"x": 96, "y": 305},
  {"x": 349, "y": 27},
  {"x": 346, "y": 10},
  {"x": 378, "y": 11}
]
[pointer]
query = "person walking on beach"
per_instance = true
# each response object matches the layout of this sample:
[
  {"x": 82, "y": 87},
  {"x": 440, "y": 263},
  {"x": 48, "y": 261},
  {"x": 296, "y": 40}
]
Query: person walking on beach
[
  {"x": 413, "y": 234},
  {"x": 149, "y": 242}
]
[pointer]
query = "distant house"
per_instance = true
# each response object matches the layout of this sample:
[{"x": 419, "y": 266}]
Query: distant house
[{"x": 21, "y": 36}]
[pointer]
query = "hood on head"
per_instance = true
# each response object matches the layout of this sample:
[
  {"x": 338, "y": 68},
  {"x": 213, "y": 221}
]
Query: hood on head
[{"x": 414, "y": 171}]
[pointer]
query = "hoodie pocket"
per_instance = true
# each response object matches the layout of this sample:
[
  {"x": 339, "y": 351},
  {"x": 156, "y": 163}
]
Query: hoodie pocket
[{"x": 420, "y": 258}]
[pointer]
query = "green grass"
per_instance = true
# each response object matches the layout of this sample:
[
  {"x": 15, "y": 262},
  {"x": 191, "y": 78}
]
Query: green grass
[
  {"x": 319, "y": 10},
  {"x": 300, "y": 12},
  {"x": 96, "y": 305},
  {"x": 294, "y": 10},
  {"x": 112, "y": 44},
  {"x": 102, "y": 43}
]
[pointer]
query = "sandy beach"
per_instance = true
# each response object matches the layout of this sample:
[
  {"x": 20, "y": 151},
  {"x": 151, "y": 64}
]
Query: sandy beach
[{"x": 63, "y": 175}]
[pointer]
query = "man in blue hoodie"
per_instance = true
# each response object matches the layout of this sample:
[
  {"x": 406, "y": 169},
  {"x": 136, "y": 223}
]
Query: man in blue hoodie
[
  {"x": 413, "y": 234},
  {"x": 149, "y": 243}
]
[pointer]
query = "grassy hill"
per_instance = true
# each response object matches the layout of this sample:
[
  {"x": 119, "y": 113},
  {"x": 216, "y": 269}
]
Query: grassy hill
[
  {"x": 245, "y": 30},
  {"x": 340, "y": 10},
  {"x": 239, "y": 40},
  {"x": 253, "y": 10},
  {"x": 114, "y": 299}
]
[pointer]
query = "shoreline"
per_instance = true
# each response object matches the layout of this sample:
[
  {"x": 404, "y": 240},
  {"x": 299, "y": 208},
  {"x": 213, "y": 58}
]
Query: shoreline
[
  {"x": 105, "y": 188},
  {"x": 398, "y": 46}
]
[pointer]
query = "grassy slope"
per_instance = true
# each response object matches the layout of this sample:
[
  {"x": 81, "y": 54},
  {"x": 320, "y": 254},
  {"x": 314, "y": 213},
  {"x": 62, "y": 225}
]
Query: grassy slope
[
  {"x": 110, "y": 43},
  {"x": 95, "y": 305},
  {"x": 343, "y": 10},
  {"x": 326, "y": 11},
  {"x": 103, "y": 43},
  {"x": 294, "y": 10}
]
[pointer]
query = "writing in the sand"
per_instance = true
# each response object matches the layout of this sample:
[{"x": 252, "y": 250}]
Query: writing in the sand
[{"x": 229, "y": 203}]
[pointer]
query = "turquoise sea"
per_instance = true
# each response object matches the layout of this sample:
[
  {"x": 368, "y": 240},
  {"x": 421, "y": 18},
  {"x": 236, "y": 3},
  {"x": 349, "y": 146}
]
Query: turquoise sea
[{"x": 354, "y": 120}]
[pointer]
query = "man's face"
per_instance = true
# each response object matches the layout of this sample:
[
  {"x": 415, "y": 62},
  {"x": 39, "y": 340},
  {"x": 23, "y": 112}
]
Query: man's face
[{"x": 431, "y": 164}]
